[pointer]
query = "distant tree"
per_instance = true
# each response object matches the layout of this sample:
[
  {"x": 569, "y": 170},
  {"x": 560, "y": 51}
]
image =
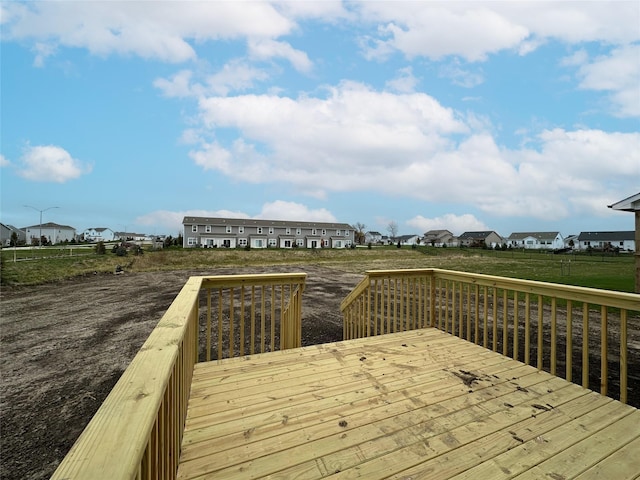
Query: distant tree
[
  {"x": 14, "y": 239},
  {"x": 178, "y": 241},
  {"x": 360, "y": 234},
  {"x": 168, "y": 241},
  {"x": 392, "y": 228}
]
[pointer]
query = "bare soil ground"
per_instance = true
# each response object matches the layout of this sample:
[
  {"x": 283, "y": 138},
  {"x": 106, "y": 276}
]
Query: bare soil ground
[{"x": 63, "y": 346}]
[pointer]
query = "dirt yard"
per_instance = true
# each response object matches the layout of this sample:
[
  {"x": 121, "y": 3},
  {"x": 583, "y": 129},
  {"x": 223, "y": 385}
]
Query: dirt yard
[{"x": 64, "y": 346}]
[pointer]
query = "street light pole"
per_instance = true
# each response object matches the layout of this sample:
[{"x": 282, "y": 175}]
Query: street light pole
[{"x": 40, "y": 210}]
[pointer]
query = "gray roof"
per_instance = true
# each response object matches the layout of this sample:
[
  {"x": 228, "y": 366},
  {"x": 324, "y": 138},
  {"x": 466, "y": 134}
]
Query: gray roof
[
  {"x": 474, "y": 235},
  {"x": 51, "y": 225},
  {"x": 252, "y": 222},
  {"x": 538, "y": 235},
  {"x": 606, "y": 236}
]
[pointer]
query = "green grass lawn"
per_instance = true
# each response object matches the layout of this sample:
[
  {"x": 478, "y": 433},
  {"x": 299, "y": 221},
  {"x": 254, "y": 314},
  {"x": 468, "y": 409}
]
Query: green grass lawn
[{"x": 35, "y": 266}]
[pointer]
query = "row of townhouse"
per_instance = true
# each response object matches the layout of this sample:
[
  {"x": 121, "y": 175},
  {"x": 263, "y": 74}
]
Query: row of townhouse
[{"x": 211, "y": 232}]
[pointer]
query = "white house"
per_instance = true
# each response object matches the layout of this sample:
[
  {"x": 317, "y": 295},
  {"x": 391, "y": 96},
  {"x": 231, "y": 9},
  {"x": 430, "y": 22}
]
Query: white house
[
  {"x": 536, "y": 240},
  {"x": 99, "y": 234},
  {"x": 5, "y": 234},
  {"x": 623, "y": 241},
  {"x": 53, "y": 232},
  {"x": 373, "y": 237},
  {"x": 254, "y": 233},
  {"x": 408, "y": 239}
]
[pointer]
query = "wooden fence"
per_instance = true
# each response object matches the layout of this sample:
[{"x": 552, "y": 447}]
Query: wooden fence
[
  {"x": 542, "y": 324},
  {"x": 137, "y": 431}
]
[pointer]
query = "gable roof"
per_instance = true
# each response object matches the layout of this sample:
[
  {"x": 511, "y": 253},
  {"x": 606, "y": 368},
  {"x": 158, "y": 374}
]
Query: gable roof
[
  {"x": 252, "y": 222},
  {"x": 51, "y": 225},
  {"x": 437, "y": 233},
  {"x": 606, "y": 236},
  {"x": 537, "y": 235},
  {"x": 476, "y": 235}
]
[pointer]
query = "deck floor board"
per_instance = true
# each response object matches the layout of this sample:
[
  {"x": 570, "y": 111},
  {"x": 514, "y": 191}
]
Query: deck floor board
[{"x": 421, "y": 404}]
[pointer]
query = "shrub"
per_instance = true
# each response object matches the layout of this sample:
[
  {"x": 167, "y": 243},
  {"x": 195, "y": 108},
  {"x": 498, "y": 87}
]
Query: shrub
[{"x": 100, "y": 248}]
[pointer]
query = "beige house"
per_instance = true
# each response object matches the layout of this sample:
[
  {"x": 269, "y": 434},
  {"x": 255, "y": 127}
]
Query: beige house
[
  {"x": 208, "y": 232},
  {"x": 475, "y": 239},
  {"x": 440, "y": 238}
]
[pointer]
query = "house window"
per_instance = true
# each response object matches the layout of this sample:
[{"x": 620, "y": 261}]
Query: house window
[
  {"x": 207, "y": 229},
  {"x": 299, "y": 242},
  {"x": 228, "y": 229},
  {"x": 259, "y": 230},
  {"x": 273, "y": 242},
  {"x": 338, "y": 244},
  {"x": 338, "y": 233},
  {"x": 242, "y": 242},
  {"x": 258, "y": 243},
  {"x": 288, "y": 231},
  {"x": 194, "y": 228},
  {"x": 314, "y": 232},
  {"x": 191, "y": 241},
  {"x": 298, "y": 231},
  {"x": 270, "y": 230},
  {"x": 324, "y": 232},
  {"x": 240, "y": 229}
]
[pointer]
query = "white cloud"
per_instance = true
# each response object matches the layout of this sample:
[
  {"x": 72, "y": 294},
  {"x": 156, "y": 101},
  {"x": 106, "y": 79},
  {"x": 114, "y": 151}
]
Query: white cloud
[
  {"x": 268, "y": 49},
  {"x": 4, "y": 162},
  {"x": 178, "y": 86},
  {"x": 618, "y": 73},
  {"x": 405, "y": 81},
  {"x": 474, "y": 30},
  {"x": 408, "y": 145},
  {"x": 171, "y": 221},
  {"x": 49, "y": 163},
  {"x": 235, "y": 76},
  {"x": 461, "y": 76},
  {"x": 282, "y": 210},
  {"x": 456, "y": 224},
  {"x": 161, "y": 30}
]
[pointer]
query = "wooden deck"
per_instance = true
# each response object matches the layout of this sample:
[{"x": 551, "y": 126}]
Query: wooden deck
[{"x": 413, "y": 405}]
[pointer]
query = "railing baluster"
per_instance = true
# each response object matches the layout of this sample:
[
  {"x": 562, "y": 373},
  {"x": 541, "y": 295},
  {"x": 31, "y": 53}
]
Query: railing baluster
[
  {"x": 208, "y": 332},
  {"x": 540, "y": 332},
  {"x": 623, "y": 356},
  {"x": 485, "y": 338},
  {"x": 263, "y": 314},
  {"x": 252, "y": 347},
  {"x": 603, "y": 350},
  {"x": 242, "y": 301},
  {"x": 231, "y": 322},
  {"x": 569, "y": 343},
  {"x": 220, "y": 324},
  {"x": 516, "y": 324},
  {"x": 585, "y": 345},
  {"x": 495, "y": 319},
  {"x": 527, "y": 328},
  {"x": 477, "y": 315},
  {"x": 505, "y": 322},
  {"x": 553, "y": 335}
]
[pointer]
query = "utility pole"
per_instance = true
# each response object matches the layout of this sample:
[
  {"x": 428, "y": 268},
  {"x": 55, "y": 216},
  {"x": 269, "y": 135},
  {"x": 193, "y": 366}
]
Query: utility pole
[{"x": 40, "y": 210}]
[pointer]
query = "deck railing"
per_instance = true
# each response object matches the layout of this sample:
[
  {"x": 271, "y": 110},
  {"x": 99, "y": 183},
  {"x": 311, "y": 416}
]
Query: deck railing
[
  {"x": 137, "y": 431},
  {"x": 542, "y": 324}
]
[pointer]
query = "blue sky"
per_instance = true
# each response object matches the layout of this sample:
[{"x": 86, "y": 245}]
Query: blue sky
[{"x": 505, "y": 116}]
